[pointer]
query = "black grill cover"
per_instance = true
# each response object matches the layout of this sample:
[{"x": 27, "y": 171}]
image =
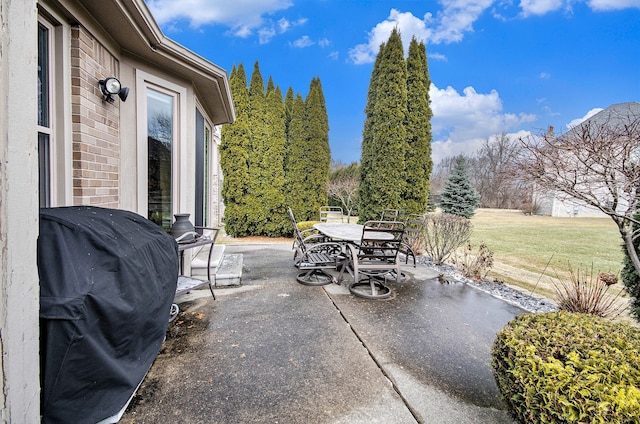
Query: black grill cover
[{"x": 107, "y": 281}]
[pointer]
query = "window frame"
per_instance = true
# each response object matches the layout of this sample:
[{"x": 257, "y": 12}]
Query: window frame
[
  {"x": 59, "y": 129},
  {"x": 46, "y": 136},
  {"x": 146, "y": 81}
]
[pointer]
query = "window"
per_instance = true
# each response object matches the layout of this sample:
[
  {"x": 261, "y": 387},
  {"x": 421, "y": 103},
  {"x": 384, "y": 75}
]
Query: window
[
  {"x": 44, "y": 113},
  {"x": 203, "y": 171},
  {"x": 161, "y": 150},
  {"x": 160, "y": 146}
]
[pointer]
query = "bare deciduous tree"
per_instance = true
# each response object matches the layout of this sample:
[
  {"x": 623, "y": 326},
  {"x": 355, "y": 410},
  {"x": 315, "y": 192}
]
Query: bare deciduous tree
[
  {"x": 496, "y": 187},
  {"x": 597, "y": 162},
  {"x": 346, "y": 191}
]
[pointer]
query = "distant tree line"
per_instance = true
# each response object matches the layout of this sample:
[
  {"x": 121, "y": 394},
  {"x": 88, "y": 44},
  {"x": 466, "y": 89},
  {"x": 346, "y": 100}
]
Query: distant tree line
[
  {"x": 489, "y": 172},
  {"x": 276, "y": 154}
]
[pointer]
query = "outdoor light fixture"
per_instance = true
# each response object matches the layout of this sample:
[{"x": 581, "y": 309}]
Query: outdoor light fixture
[{"x": 111, "y": 86}]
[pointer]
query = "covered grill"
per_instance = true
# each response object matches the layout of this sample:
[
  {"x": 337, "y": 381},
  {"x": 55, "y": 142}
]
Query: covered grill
[{"x": 107, "y": 281}]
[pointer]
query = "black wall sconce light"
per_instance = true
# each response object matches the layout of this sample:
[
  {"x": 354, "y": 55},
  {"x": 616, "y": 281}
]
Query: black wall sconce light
[{"x": 111, "y": 86}]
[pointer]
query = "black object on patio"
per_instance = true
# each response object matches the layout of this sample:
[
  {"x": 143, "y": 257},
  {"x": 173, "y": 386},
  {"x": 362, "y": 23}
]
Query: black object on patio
[{"x": 107, "y": 281}]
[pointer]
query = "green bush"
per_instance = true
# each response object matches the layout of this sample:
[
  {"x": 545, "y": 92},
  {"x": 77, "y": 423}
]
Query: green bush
[
  {"x": 306, "y": 225},
  {"x": 566, "y": 367}
]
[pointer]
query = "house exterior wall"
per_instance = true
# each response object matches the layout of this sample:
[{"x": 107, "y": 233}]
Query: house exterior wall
[
  {"x": 573, "y": 209},
  {"x": 551, "y": 205},
  {"x": 19, "y": 291},
  {"x": 96, "y": 123},
  {"x": 94, "y": 152}
]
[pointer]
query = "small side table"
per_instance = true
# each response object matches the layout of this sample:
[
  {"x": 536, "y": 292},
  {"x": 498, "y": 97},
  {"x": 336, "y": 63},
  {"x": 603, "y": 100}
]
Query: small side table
[{"x": 187, "y": 283}]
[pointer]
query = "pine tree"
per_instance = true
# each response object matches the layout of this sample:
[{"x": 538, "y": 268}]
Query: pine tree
[
  {"x": 458, "y": 196},
  {"x": 317, "y": 152},
  {"x": 384, "y": 179},
  {"x": 418, "y": 154},
  {"x": 234, "y": 159}
]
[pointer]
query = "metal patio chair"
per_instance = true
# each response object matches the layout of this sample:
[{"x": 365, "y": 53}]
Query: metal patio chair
[
  {"x": 331, "y": 214},
  {"x": 375, "y": 258},
  {"x": 413, "y": 236},
  {"x": 311, "y": 235},
  {"x": 389, "y": 215},
  {"x": 312, "y": 256}
]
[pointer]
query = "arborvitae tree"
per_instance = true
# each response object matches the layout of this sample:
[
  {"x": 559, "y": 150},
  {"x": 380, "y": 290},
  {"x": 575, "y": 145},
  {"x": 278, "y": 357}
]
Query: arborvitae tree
[
  {"x": 367, "y": 171},
  {"x": 418, "y": 154},
  {"x": 256, "y": 214},
  {"x": 630, "y": 277},
  {"x": 295, "y": 164},
  {"x": 458, "y": 195},
  {"x": 288, "y": 110},
  {"x": 234, "y": 159},
  {"x": 273, "y": 179},
  {"x": 318, "y": 154},
  {"x": 384, "y": 180}
]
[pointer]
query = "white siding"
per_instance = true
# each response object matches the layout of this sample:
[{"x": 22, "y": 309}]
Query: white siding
[{"x": 19, "y": 293}]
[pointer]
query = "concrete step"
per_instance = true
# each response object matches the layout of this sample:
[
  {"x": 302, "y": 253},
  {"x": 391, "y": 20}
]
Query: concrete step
[
  {"x": 199, "y": 263},
  {"x": 229, "y": 273},
  {"x": 227, "y": 268}
]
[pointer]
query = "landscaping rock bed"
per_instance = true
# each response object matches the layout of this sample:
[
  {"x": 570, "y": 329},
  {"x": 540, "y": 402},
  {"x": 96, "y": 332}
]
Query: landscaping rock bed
[{"x": 450, "y": 274}]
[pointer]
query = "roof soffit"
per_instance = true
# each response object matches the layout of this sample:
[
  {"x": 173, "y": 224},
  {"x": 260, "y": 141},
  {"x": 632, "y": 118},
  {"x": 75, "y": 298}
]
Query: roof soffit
[{"x": 130, "y": 24}]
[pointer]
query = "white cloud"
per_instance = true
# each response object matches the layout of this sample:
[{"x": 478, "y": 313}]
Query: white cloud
[
  {"x": 360, "y": 54},
  {"x": 462, "y": 121},
  {"x": 544, "y": 75},
  {"x": 334, "y": 55},
  {"x": 284, "y": 25},
  {"x": 540, "y": 7},
  {"x": 408, "y": 25},
  {"x": 324, "y": 42},
  {"x": 243, "y": 17},
  {"x": 303, "y": 42},
  {"x": 578, "y": 121},
  {"x": 457, "y": 18},
  {"x": 441, "y": 149},
  {"x": 268, "y": 31},
  {"x": 602, "y": 5},
  {"x": 266, "y": 34},
  {"x": 437, "y": 56},
  {"x": 448, "y": 26}
]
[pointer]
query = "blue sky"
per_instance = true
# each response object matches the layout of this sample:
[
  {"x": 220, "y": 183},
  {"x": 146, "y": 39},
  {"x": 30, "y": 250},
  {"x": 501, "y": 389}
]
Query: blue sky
[{"x": 503, "y": 66}]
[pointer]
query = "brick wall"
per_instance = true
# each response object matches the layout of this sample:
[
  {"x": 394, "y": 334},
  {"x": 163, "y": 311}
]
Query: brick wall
[{"x": 95, "y": 123}]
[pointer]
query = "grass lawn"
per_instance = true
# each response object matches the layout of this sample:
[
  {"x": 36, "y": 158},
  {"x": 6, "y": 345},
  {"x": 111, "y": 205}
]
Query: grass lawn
[{"x": 523, "y": 245}]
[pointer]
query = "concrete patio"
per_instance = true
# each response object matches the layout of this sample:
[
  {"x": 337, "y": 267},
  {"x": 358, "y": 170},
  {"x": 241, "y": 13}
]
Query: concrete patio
[{"x": 274, "y": 351}]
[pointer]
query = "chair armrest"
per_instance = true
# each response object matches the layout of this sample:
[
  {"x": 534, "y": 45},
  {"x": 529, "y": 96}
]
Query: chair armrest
[
  {"x": 314, "y": 238},
  {"x": 187, "y": 234}
]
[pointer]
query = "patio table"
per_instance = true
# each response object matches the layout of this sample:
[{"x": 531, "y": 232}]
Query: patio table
[{"x": 340, "y": 231}]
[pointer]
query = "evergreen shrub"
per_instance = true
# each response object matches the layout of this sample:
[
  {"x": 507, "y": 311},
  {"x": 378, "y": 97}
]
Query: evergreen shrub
[
  {"x": 630, "y": 277},
  {"x": 565, "y": 367},
  {"x": 306, "y": 225}
]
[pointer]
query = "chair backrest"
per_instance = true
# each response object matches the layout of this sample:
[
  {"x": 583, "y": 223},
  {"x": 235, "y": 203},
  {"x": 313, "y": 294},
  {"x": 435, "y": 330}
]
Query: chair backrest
[
  {"x": 389, "y": 215},
  {"x": 413, "y": 228},
  {"x": 331, "y": 213},
  {"x": 299, "y": 240},
  {"x": 380, "y": 241}
]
